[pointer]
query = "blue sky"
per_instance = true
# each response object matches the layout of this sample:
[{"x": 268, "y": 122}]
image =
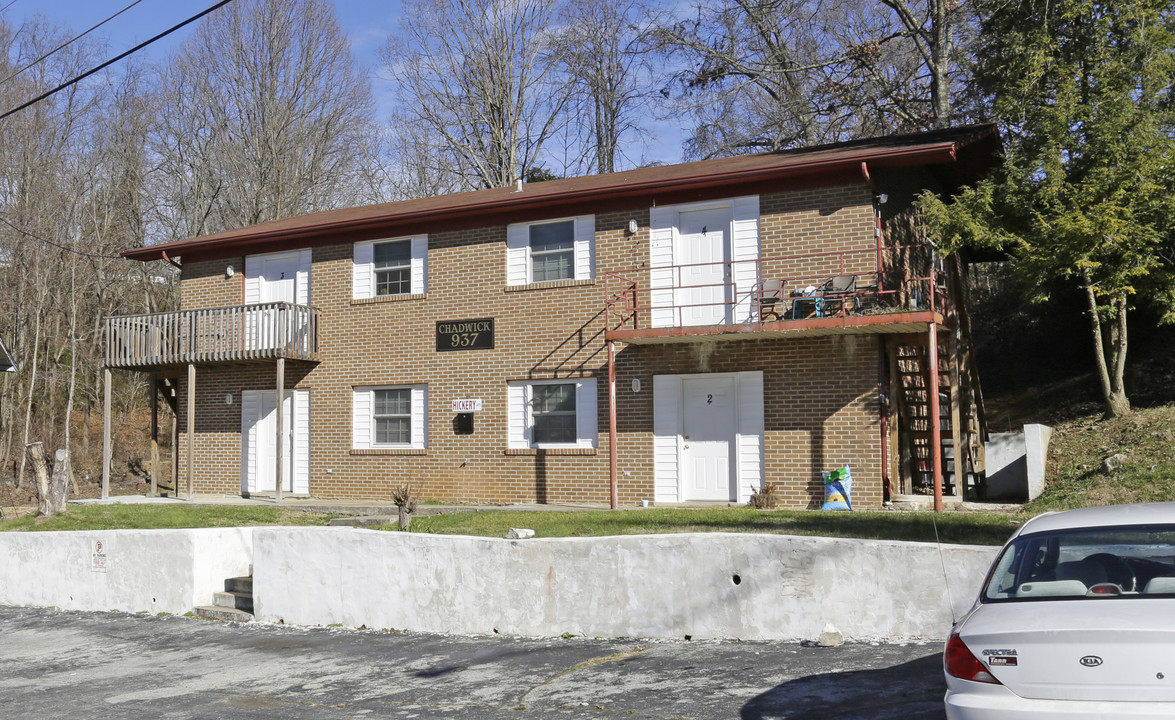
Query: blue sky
[{"x": 367, "y": 22}]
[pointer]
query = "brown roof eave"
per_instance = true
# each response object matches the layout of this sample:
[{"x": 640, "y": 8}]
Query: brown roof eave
[{"x": 942, "y": 152}]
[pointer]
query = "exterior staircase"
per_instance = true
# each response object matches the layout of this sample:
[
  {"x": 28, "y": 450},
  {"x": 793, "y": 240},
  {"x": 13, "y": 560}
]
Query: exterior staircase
[
  {"x": 961, "y": 418},
  {"x": 235, "y": 604}
]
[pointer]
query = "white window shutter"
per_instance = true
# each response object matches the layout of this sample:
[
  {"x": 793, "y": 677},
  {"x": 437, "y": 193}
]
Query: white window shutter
[
  {"x": 362, "y": 274},
  {"x": 301, "y": 441},
  {"x": 252, "y": 280},
  {"x": 586, "y": 414},
  {"x": 250, "y": 401},
  {"x": 750, "y": 433},
  {"x": 666, "y": 429},
  {"x": 517, "y": 397},
  {"x": 517, "y": 254},
  {"x": 302, "y": 282},
  {"x": 585, "y": 247},
  {"x": 661, "y": 273},
  {"x": 419, "y": 265},
  {"x": 361, "y": 408},
  {"x": 419, "y": 437},
  {"x": 744, "y": 252}
]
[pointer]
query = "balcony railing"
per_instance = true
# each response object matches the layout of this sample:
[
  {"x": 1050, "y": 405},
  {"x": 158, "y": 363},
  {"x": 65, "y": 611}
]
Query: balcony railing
[
  {"x": 226, "y": 334},
  {"x": 790, "y": 288}
]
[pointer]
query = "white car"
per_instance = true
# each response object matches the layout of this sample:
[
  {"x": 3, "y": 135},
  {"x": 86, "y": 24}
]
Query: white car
[{"x": 1076, "y": 620}]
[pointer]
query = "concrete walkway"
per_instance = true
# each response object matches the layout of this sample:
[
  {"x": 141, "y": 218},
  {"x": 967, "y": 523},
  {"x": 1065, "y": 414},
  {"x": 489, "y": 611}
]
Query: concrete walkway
[{"x": 78, "y": 666}]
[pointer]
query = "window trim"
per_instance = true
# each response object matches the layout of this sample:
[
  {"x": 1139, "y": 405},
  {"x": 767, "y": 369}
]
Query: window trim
[
  {"x": 521, "y": 414},
  {"x": 376, "y": 269},
  {"x": 363, "y": 424},
  {"x": 363, "y": 272},
  {"x": 519, "y": 256}
]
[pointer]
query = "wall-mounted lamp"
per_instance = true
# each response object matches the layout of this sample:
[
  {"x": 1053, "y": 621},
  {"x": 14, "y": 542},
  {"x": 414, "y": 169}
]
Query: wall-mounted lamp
[
  {"x": 229, "y": 272},
  {"x": 632, "y": 227},
  {"x": 636, "y": 385},
  {"x": 882, "y": 198},
  {"x": 228, "y": 398}
]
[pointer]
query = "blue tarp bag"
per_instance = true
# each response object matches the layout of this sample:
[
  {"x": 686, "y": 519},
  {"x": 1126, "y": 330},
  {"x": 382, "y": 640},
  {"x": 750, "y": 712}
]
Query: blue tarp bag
[{"x": 838, "y": 487}]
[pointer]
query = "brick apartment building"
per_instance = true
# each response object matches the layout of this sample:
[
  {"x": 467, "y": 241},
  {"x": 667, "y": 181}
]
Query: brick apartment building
[{"x": 687, "y": 333}]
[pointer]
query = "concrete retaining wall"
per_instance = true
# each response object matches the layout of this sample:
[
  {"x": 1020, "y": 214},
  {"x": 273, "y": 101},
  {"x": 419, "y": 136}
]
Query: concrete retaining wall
[
  {"x": 712, "y": 585},
  {"x": 139, "y": 570}
]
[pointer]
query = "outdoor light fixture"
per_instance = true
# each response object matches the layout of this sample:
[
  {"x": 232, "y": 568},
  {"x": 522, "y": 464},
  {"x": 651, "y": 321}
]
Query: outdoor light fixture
[
  {"x": 228, "y": 398},
  {"x": 229, "y": 272},
  {"x": 636, "y": 385},
  {"x": 632, "y": 227}
]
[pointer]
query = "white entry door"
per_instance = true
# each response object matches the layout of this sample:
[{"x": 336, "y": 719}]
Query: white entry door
[
  {"x": 703, "y": 251},
  {"x": 259, "y": 441},
  {"x": 709, "y": 421},
  {"x": 279, "y": 277}
]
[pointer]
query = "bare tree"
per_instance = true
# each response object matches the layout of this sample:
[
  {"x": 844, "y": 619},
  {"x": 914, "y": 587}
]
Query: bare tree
[
  {"x": 604, "y": 52},
  {"x": 481, "y": 76},
  {"x": 771, "y": 74},
  {"x": 262, "y": 114}
]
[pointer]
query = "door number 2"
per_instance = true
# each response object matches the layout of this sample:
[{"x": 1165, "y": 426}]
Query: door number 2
[{"x": 709, "y": 399}]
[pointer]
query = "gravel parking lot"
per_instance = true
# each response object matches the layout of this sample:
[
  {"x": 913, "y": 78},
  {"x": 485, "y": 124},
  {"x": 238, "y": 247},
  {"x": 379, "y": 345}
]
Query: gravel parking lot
[{"x": 114, "y": 665}]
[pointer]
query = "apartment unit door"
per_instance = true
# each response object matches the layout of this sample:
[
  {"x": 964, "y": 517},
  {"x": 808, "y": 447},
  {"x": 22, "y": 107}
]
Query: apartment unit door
[
  {"x": 705, "y": 292},
  {"x": 709, "y": 423},
  {"x": 259, "y": 441}
]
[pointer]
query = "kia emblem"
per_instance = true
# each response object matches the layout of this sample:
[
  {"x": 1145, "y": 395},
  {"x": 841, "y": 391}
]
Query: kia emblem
[{"x": 1091, "y": 661}]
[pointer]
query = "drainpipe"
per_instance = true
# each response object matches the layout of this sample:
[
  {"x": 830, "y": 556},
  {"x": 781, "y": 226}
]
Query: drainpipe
[{"x": 612, "y": 450}]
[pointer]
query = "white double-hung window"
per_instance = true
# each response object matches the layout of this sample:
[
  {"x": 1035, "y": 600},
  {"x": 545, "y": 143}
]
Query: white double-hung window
[
  {"x": 387, "y": 268},
  {"x": 392, "y": 417},
  {"x": 553, "y": 414},
  {"x": 551, "y": 250}
]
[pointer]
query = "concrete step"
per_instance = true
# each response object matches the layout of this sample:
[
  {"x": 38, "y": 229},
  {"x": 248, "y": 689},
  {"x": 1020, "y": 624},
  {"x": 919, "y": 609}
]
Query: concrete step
[
  {"x": 223, "y": 613},
  {"x": 234, "y": 600},
  {"x": 239, "y": 584}
]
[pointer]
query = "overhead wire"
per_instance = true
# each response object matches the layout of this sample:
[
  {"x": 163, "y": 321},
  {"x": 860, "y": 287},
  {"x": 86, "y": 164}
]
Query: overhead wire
[
  {"x": 59, "y": 246},
  {"x": 67, "y": 43},
  {"x": 111, "y": 61}
]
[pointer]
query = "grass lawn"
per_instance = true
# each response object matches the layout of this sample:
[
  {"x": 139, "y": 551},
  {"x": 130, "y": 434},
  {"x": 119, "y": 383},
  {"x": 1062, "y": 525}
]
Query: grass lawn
[
  {"x": 953, "y": 527},
  {"x": 145, "y": 517}
]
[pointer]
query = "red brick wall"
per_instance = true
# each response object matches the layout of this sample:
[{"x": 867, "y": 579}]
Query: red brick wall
[{"x": 821, "y": 393}]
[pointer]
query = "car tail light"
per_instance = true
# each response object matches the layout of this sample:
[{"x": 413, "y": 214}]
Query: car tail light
[{"x": 960, "y": 663}]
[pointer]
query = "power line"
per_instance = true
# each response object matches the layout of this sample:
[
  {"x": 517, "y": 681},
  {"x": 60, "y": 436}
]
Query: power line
[
  {"x": 58, "y": 245},
  {"x": 67, "y": 42},
  {"x": 110, "y": 62}
]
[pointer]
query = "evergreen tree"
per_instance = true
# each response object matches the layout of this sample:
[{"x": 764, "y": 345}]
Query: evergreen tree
[{"x": 1081, "y": 89}]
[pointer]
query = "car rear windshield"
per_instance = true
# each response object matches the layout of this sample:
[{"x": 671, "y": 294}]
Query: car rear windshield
[{"x": 1136, "y": 561}]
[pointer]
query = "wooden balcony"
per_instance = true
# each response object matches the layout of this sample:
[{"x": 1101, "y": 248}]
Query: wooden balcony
[
  {"x": 876, "y": 291},
  {"x": 237, "y": 334}
]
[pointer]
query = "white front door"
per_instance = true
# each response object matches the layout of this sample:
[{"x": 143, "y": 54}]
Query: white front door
[
  {"x": 709, "y": 421},
  {"x": 704, "y": 295},
  {"x": 279, "y": 277},
  {"x": 259, "y": 441}
]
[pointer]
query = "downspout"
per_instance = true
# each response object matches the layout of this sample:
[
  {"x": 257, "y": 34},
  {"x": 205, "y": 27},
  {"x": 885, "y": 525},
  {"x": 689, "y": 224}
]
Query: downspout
[
  {"x": 612, "y": 450},
  {"x": 883, "y": 372}
]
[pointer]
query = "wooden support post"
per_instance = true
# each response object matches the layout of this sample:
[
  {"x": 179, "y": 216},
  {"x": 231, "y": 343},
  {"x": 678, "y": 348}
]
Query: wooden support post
[
  {"x": 154, "y": 436},
  {"x": 613, "y": 490},
  {"x": 191, "y": 440},
  {"x": 175, "y": 453},
  {"x": 935, "y": 419},
  {"x": 281, "y": 445},
  {"x": 107, "y": 442},
  {"x": 957, "y": 435}
]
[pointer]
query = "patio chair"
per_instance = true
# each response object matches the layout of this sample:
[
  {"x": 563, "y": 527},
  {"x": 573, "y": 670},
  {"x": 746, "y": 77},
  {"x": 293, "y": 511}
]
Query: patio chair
[
  {"x": 770, "y": 299},
  {"x": 836, "y": 291}
]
